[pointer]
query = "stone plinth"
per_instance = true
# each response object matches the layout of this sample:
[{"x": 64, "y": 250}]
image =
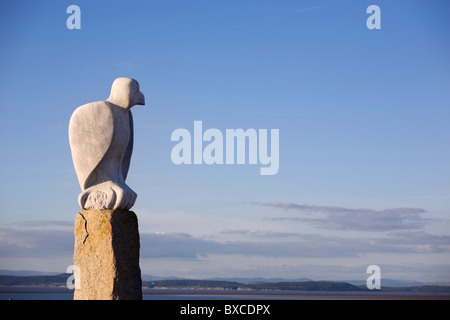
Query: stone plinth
[{"x": 106, "y": 256}]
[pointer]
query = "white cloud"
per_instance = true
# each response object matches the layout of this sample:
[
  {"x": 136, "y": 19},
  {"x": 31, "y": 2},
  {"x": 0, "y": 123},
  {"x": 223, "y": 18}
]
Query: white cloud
[{"x": 340, "y": 218}]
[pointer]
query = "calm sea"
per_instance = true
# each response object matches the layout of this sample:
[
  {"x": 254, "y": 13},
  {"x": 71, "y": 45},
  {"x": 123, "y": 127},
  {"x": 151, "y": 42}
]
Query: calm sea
[{"x": 20, "y": 293}]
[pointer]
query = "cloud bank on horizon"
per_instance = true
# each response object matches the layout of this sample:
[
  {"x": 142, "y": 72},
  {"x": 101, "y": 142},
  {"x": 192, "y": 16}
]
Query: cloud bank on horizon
[
  {"x": 340, "y": 218},
  {"x": 395, "y": 231}
]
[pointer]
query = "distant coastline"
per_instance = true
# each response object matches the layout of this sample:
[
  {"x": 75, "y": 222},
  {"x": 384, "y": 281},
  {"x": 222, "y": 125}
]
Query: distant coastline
[{"x": 284, "y": 289}]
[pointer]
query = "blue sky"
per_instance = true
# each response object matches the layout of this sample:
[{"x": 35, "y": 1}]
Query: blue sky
[{"x": 363, "y": 116}]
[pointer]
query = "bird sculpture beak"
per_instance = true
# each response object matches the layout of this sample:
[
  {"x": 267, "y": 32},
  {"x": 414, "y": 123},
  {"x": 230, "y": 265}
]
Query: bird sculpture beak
[{"x": 141, "y": 99}]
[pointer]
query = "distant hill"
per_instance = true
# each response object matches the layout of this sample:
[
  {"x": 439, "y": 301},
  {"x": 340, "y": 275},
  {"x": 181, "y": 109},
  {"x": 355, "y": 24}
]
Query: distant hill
[
  {"x": 258, "y": 280},
  {"x": 230, "y": 285},
  {"x": 287, "y": 286},
  {"x": 388, "y": 282},
  {"x": 307, "y": 286},
  {"x": 26, "y": 273},
  {"x": 42, "y": 281},
  {"x": 60, "y": 280},
  {"x": 148, "y": 277}
]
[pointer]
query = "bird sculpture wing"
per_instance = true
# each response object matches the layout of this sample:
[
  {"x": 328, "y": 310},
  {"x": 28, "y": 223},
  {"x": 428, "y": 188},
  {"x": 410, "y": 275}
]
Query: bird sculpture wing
[
  {"x": 127, "y": 156},
  {"x": 91, "y": 130}
]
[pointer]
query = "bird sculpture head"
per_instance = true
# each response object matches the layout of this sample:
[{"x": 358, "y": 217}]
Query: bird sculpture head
[{"x": 125, "y": 93}]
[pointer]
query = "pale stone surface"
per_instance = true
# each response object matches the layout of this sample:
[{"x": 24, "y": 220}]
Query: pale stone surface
[
  {"x": 101, "y": 141},
  {"x": 106, "y": 256}
]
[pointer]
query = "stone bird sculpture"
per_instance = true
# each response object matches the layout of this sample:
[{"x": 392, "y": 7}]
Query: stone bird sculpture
[{"x": 101, "y": 142}]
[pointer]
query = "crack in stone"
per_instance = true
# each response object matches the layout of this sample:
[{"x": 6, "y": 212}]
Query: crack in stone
[{"x": 85, "y": 227}]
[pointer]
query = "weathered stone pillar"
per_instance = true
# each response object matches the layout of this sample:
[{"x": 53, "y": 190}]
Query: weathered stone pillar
[{"x": 106, "y": 256}]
